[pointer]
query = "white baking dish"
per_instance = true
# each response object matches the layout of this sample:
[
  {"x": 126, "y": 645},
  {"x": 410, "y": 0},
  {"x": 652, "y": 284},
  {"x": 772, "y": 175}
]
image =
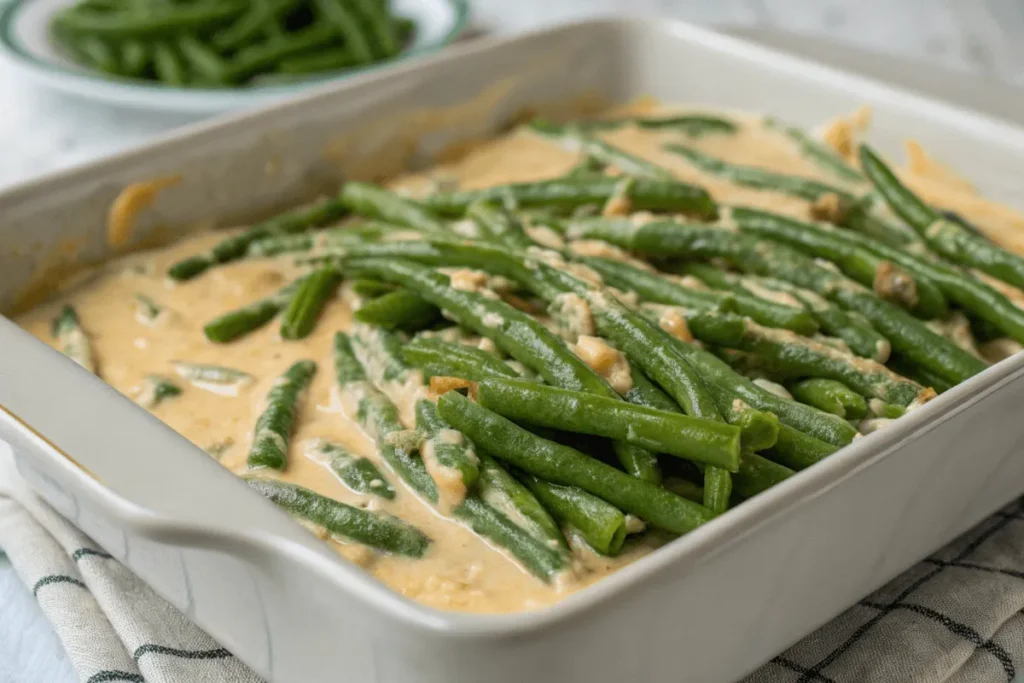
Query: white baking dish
[{"x": 707, "y": 608}]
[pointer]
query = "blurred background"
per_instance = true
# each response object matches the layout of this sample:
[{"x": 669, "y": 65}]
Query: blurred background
[{"x": 979, "y": 40}]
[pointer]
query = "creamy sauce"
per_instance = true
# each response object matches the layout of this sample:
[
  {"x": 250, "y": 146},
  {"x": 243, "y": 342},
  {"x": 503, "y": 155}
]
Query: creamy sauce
[{"x": 460, "y": 571}]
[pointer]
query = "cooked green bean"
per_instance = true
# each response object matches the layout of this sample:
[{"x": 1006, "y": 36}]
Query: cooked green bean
[
  {"x": 502, "y": 225},
  {"x": 793, "y": 356},
  {"x": 320, "y": 59},
  {"x": 167, "y": 21},
  {"x": 655, "y": 287},
  {"x": 380, "y": 352},
  {"x": 169, "y": 68},
  {"x": 445, "y": 450},
  {"x": 797, "y": 450},
  {"x": 73, "y": 341},
  {"x": 908, "y": 335},
  {"x": 693, "y": 438},
  {"x": 758, "y": 474},
  {"x": 236, "y": 246},
  {"x": 246, "y": 27},
  {"x": 436, "y": 357},
  {"x": 378, "y": 416},
  {"x": 948, "y": 238},
  {"x": 134, "y": 57},
  {"x": 563, "y": 465},
  {"x": 541, "y": 560},
  {"x": 502, "y": 491},
  {"x": 885, "y": 278},
  {"x": 321, "y": 239},
  {"x": 860, "y": 337},
  {"x": 757, "y": 178},
  {"x": 371, "y": 288},
  {"x": 831, "y": 396},
  {"x": 567, "y": 195},
  {"x": 155, "y": 389},
  {"x": 374, "y": 529},
  {"x": 602, "y": 525},
  {"x": 252, "y": 59},
  {"x": 587, "y": 167},
  {"x": 206, "y": 65},
  {"x": 209, "y": 374},
  {"x": 599, "y": 150},
  {"x": 816, "y": 152},
  {"x": 690, "y": 125},
  {"x": 359, "y": 474},
  {"x": 374, "y": 14},
  {"x": 300, "y": 317},
  {"x": 375, "y": 202},
  {"x": 348, "y": 25},
  {"x": 274, "y": 426},
  {"x": 242, "y": 321},
  {"x": 401, "y": 309}
]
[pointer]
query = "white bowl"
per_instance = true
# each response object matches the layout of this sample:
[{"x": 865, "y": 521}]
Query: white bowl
[{"x": 25, "y": 40}]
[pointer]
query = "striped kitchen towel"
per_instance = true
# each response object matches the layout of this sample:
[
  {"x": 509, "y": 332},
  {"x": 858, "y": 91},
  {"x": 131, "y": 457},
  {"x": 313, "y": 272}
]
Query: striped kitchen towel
[
  {"x": 112, "y": 625},
  {"x": 957, "y": 617}
]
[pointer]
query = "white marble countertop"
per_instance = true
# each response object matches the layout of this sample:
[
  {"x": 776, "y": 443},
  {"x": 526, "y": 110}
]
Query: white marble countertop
[{"x": 43, "y": 131}]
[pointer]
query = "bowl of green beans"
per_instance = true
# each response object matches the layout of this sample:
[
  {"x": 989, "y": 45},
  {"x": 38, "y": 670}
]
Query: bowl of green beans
[{"x": 205, "y": 56}]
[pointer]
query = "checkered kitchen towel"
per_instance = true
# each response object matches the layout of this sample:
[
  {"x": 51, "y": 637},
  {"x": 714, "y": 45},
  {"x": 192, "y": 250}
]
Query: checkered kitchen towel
[{"x": 956, "y": 617}]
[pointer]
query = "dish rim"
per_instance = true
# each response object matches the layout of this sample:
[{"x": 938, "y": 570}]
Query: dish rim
[{"x": 693, "y": 548}]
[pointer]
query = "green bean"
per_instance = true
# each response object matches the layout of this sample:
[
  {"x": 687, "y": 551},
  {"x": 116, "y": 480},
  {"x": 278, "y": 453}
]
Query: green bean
[
  {"x": 541, "y": 561},
  {"x": 445, "y": 450},
  {"x": 72, "y": 339},
  {"x": 236, "y": 246},
  {"x": 759, "y": 431},
  {"x": 693, "y": 438},
  {"x": 602, "y": 525},
  {"x": 384, "y": 31},
  {"x": 358, "y": 474},
  {"x": 797, "y": 450},
  {"x": 257, "y": 17},
  {"x": 503, "y": 492},
  {"x": 369, "y": 200},
  {"x": 560, "y": 464},
  {"x": 831, "y": 396},
  {"x": 204, "y": 63},
  {"x": 907, "y": 334},
  {"x": 371, "y": 288},
  {"x": 155, "y": 389},
  {"x": 255, "y": 58},
  {"x": 375, "y": 529},
  {"x": 604, "y": 153},
  {"x": 759, "y": 309},
  {"x": 401, "y": 309},
  {"x": 758, "y": 474},
  {"x": 860, "y": 337},
  {"x": 146, "y": 310},
  {"x": 922, "y": 376},
  {"x": 200, "y": 374},
  {"x": 795, "y": 356},
  {"x": 319, "y": 59},
  {"x": 378, "y": 416},
  {"x": 685, "y": 489},
  {"x": 948, "y": 238},
  {"x": 502, "y": 225},
  {"x": 816, "y": 152},
  {"x": 567, "y": 195},
  {"x": 274, "y": 426},
  {"x": 690, "y": 125},
  {"x": 960, "y": 287},
  {"x": 438, "y": 357},
  {"x": 655, "y": 287},
  {"x": 757, "y": 178},
  {"x": 883, "y": 277},
  {"x": 167, "y": 21},
  {"x": 168, "y": 66},
  {"x": 718, "y": 485},
  {"x": 134, "y": 57},
  {"x": 309, "y": 298},
  {"x": 380, "y": 352},
  {"x": 323, "y": 239},
  {"x": 239, "y": 322},
  {"x": 336, "y": 12},
  {"x": 97, "y": 54}
]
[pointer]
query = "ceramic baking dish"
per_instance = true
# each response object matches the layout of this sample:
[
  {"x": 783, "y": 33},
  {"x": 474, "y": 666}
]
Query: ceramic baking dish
[{"x": 713, "y": 604}]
